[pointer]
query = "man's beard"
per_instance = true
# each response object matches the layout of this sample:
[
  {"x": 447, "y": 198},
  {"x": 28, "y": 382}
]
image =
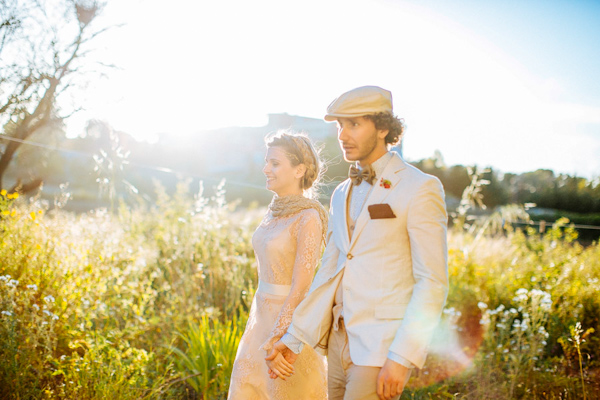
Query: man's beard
[{"x": 369, "y": 148}]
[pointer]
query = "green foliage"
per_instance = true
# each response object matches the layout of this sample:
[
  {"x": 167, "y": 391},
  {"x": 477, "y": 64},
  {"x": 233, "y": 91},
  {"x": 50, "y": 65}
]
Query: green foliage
[
  {"x": 150, "y": 302},
  {"x": 508, "y": 330},
  {"x": 209, "y": 351},
  {"x": 92, "y": 303}
]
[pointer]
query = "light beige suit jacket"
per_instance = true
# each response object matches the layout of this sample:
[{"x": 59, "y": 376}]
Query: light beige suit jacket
[{"x": 394, "y": 272}]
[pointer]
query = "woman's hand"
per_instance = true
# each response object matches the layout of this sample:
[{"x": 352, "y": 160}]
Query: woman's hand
[{"x": 279, "y": 367}]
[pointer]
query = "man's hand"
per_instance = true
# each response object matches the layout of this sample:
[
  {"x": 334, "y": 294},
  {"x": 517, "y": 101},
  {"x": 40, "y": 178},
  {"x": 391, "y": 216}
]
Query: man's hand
[
  {"x": 280, "y": 361},
  {"x": 391, "y": 379}
]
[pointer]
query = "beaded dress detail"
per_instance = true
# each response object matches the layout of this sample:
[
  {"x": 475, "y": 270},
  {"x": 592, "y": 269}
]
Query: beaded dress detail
[{"x": 287, "y": 249}]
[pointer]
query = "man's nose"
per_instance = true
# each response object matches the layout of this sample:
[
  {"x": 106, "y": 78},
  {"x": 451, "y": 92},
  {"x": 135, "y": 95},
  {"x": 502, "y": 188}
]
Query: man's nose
[
  {"x": 265, "y": 169},
  {"x": 341, "y": 133}
]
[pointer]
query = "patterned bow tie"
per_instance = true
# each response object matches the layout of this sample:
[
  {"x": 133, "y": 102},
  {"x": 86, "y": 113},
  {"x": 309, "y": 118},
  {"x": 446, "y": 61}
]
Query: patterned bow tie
[{"x": 357, "y": 175}]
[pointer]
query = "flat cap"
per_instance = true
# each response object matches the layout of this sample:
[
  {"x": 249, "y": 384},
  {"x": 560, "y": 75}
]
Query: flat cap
[{"x": 361, "y": 101}]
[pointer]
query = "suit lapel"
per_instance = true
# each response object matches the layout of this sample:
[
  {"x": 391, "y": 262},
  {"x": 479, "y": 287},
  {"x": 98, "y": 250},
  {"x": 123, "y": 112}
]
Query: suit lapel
[
  {"x": 341, "y": 223},
  {"x": 379, "y": 192}
]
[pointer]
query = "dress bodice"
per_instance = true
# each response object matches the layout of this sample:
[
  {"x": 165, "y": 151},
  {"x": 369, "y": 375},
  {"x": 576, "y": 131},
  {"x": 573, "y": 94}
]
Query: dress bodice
[{"x": 282, "y": 242}]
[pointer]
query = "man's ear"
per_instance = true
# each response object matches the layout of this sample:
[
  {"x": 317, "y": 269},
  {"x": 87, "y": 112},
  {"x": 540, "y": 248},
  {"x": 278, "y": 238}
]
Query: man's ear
[
  {"x": 300, "y": 170},
  {"x": 382, "y": 133}
]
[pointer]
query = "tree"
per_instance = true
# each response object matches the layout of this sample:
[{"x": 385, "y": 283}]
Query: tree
[{"x": 43, "y": 46}]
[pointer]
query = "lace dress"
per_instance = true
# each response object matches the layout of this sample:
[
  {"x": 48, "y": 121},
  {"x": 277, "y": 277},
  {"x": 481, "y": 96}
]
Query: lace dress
[{"x": 287, "y": 250}]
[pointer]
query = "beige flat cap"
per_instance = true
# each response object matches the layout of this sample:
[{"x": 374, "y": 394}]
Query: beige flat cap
[{"x": 361, "y": 101}]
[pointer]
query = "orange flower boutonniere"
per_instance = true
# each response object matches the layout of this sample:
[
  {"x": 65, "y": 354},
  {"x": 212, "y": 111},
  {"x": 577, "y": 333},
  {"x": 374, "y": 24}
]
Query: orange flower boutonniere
[{"x": 385, "y": 183}]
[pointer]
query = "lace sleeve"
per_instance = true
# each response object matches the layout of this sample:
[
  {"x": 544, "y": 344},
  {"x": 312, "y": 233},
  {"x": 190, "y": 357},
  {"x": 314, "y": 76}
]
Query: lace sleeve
[{"x": 309, "y": 239}]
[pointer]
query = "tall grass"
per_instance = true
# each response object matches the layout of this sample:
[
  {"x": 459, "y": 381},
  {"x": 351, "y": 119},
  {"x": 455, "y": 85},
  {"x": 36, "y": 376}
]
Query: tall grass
[
  {"x": 150, "y": 302},
  {"x": 91, "y": 304}
]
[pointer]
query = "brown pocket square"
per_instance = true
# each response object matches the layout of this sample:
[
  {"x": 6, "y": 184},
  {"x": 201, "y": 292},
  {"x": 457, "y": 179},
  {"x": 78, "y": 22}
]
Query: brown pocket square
[{"x": 381, "y": 211}]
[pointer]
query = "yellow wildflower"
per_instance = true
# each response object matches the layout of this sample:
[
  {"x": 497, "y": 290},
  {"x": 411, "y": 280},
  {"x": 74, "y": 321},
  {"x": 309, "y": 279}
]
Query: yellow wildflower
[
  {"x": 5, "y": 212},
  {"x": 3, "y": 192},
  {"x": 15, "y": 195},
  {"x": 32, "y": 215}
]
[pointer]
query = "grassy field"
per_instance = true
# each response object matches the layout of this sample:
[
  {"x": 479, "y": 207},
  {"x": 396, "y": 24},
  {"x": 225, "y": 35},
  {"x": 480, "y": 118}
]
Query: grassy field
[{"x": 150, "y": 303}]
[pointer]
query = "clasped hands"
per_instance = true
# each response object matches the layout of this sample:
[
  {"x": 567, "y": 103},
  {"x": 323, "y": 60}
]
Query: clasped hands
[
  {"x": 390, "y": 381},
  {"x": 280, "y": 361}
]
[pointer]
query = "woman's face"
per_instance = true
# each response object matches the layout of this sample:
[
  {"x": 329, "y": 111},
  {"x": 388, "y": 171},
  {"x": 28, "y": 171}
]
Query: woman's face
[{"x": 282, "y": 177}]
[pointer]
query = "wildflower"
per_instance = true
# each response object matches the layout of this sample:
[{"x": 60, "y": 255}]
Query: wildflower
[
  {"x": 4, "y": 278},
  {"x": 32, "y": 215},
  {"x": 32, "y": 287},
  {"x": 3, "y": 192},
  {"x": 513, "y": 310},
  {"x": 36, "y": 307},
  {"x": 49, "y": 299},
  {"x": 13, "y": 283},
  {"x": 7, "y": 313},
  {"x": 482, "y": 305}
]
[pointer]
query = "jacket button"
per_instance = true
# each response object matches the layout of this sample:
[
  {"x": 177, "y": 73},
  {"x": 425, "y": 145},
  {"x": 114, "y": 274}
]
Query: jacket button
[{"x": 350, "y": 256}]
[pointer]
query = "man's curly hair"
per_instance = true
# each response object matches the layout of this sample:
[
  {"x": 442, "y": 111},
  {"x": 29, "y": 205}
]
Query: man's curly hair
[{"x": 390, "y": 122}]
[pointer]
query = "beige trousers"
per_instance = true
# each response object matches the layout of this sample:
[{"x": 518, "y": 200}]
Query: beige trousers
[{"x": 345, "y": 380}]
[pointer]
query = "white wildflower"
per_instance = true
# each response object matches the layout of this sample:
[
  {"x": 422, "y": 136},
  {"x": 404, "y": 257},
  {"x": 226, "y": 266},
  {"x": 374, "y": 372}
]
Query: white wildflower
[
  {"x": 13, "y": 283},
  {"x": 7, "y": 313},
  {"x": 32, "y": 287},
  {"x": 449, "y": 311},
  {"x": 49, "y": 299}
]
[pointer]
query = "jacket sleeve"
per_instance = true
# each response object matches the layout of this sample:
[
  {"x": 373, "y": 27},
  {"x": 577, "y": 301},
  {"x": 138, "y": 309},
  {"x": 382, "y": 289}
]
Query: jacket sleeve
[
  {"x": 312, "y": 318},
  {"x": 427, "y": 225}
]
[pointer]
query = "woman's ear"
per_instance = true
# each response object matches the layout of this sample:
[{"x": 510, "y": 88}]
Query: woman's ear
[{"x": 300, "y": 171}]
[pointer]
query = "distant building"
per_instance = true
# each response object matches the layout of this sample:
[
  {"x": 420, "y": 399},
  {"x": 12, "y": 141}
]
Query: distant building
[{"x": 234, "y": 149}]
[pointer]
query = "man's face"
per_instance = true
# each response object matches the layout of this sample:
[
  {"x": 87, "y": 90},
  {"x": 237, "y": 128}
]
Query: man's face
[{"x": 360, "y": 140}]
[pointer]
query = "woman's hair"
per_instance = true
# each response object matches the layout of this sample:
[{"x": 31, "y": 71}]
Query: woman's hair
[
  {"x": 388, "y": 121},
  {"x": 300, "y": 150}
]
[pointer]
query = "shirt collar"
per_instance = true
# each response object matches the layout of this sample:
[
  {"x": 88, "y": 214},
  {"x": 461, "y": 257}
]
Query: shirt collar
[{"x": 380, "y": 164}]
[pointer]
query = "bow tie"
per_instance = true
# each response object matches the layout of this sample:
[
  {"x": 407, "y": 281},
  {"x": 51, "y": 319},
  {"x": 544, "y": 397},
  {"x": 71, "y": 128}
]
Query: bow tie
[{"x": 358, "y": 175}]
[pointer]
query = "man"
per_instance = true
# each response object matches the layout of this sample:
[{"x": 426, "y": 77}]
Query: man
[{"x": 383, "y": 282}]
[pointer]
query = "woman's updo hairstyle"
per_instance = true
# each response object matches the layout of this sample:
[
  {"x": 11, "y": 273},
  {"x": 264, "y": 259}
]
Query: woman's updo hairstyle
[{"x": 300, "y": 150}]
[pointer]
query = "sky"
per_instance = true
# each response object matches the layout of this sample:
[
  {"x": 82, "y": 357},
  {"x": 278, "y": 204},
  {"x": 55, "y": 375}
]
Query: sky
[{"x": 510, "y": 84}]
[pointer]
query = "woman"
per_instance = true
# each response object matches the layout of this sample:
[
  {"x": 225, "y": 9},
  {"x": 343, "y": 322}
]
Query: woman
[{"x": 287, "y": 245}]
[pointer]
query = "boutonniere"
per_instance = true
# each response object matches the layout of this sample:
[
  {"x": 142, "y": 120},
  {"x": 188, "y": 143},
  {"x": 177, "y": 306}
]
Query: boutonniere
[{"x": 385, "y": 183}]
